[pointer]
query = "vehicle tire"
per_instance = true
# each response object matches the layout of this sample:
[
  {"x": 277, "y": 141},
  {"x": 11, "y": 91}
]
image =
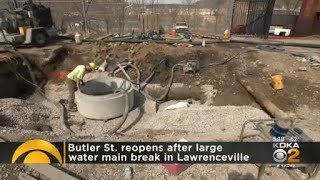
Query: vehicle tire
[
  {"x": 282, "y": 34},
  {"x": 187, "y": 36},
  {"x": 40, "y": 39}
]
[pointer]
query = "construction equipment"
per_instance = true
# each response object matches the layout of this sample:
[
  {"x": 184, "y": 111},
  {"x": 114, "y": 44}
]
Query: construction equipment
[
  {"x": 28, "y": 24},
  {"x": 191, "y": 67}
]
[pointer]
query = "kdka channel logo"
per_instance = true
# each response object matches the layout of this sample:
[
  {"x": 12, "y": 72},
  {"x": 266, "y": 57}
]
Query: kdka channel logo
[{"x": 286, "y": 152}]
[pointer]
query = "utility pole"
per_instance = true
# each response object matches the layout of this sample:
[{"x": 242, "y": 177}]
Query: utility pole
[{"x": 84, "y": 13}]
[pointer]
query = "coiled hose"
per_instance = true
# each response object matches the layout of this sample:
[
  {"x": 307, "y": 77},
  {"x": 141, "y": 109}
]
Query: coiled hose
[
  {"x": 132, "y": 66},
  {"x": 167, "y": 89},
  {"x": 125, "y": 113}
]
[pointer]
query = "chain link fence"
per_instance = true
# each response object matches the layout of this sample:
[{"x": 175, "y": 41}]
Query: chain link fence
[{"x": 119, "y": 16}]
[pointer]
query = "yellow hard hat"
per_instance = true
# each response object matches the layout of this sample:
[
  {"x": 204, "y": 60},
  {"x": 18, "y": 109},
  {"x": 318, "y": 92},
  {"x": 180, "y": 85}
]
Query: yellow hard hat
[{"x": 92, "y": 66}]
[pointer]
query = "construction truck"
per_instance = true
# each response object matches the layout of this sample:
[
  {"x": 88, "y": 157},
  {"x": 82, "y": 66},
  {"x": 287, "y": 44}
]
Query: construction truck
[{"x": 28, "y": 24}]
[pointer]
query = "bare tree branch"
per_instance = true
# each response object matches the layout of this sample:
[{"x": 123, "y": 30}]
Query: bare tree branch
[{"x": 190, "y": 4}]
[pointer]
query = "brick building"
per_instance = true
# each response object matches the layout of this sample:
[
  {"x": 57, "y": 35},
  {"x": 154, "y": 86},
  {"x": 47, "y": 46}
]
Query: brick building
[{"x": 309, "y": 20}]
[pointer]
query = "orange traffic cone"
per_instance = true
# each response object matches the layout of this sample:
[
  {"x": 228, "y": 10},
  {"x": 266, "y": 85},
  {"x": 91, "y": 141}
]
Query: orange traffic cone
[{"x": 174, "y": 33}]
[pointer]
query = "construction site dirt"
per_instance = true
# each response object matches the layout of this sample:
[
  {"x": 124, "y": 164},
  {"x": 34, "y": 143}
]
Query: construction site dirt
[
  {"x": 256, "y": 64},
  {"x": 219, "y": 104}
]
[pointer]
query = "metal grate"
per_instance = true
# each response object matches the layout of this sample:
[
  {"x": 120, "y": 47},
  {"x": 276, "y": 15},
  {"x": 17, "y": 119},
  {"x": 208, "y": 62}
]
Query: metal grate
[{"x": 252, "y": 17}]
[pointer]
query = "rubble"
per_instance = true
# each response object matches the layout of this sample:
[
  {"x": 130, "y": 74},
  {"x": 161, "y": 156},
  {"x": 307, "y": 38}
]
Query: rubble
[
  {"x": 178, "y": 106},
  {"x": 314, "y": 60},
  {"x": 302, "y": 69},
  {"x": 271, "y": 48}
]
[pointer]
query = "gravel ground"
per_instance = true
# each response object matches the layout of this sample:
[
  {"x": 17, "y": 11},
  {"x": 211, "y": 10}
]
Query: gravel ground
[
  {"x": 219, "y": 122},
  {"x": 24, "y": 114},
  {"x": 308, "y": 120},
  {"x": 158, "y": 172}
]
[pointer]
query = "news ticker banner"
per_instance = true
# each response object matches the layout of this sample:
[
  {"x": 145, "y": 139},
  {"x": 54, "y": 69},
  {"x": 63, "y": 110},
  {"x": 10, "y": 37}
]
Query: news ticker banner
[{"x": 41, "y": 151}]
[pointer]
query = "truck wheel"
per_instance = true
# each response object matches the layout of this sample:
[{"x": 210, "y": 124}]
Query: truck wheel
[{"x": 40, "y": 39}]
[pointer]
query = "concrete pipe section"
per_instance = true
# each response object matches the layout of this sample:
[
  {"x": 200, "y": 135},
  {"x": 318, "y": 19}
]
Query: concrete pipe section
[{"x": 97, "y": 99}]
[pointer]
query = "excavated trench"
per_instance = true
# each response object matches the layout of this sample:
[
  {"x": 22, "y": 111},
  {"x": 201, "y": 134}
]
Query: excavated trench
[
  {"x": 15, "y": 76},
  {"x": 16, "y": 79},
  {"x": 178, "y": 92},
  {"x": 94, "y": 91},
  {"x": 17, "y": 86}
]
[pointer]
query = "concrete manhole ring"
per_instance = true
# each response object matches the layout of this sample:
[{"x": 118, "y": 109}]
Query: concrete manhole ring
[{"x": 97, "y": 99}]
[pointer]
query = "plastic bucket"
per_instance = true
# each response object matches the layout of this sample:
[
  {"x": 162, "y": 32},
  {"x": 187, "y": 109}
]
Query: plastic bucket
[
  {"x": 78, "y": 38},
  {"x": 277, "y": 82}
]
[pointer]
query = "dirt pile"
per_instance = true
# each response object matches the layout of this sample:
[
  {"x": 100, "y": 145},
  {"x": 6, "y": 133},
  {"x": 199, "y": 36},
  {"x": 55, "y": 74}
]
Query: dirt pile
[
  {"x": 16, "y": 113},
  {"x": 147, "y": 56}
]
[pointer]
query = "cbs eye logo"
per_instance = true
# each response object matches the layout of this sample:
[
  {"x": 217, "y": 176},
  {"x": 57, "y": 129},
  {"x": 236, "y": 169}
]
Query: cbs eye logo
[
  {"x": 281, "y": 156},
  {"x": 36, "y": 151}
]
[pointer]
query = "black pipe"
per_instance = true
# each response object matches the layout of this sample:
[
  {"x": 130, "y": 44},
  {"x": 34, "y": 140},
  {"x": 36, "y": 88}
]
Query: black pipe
[
  {"x": 147, "y": 81},
  {"x": 170, "y": 42},
  {"x": 125, "y": 113},
  {"x": 167, "y": 89}
]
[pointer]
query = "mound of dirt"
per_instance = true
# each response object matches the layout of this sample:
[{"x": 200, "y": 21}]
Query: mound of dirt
[
  {"x": 145, "y": 56},
  {"x": 22, "y": 114}
]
